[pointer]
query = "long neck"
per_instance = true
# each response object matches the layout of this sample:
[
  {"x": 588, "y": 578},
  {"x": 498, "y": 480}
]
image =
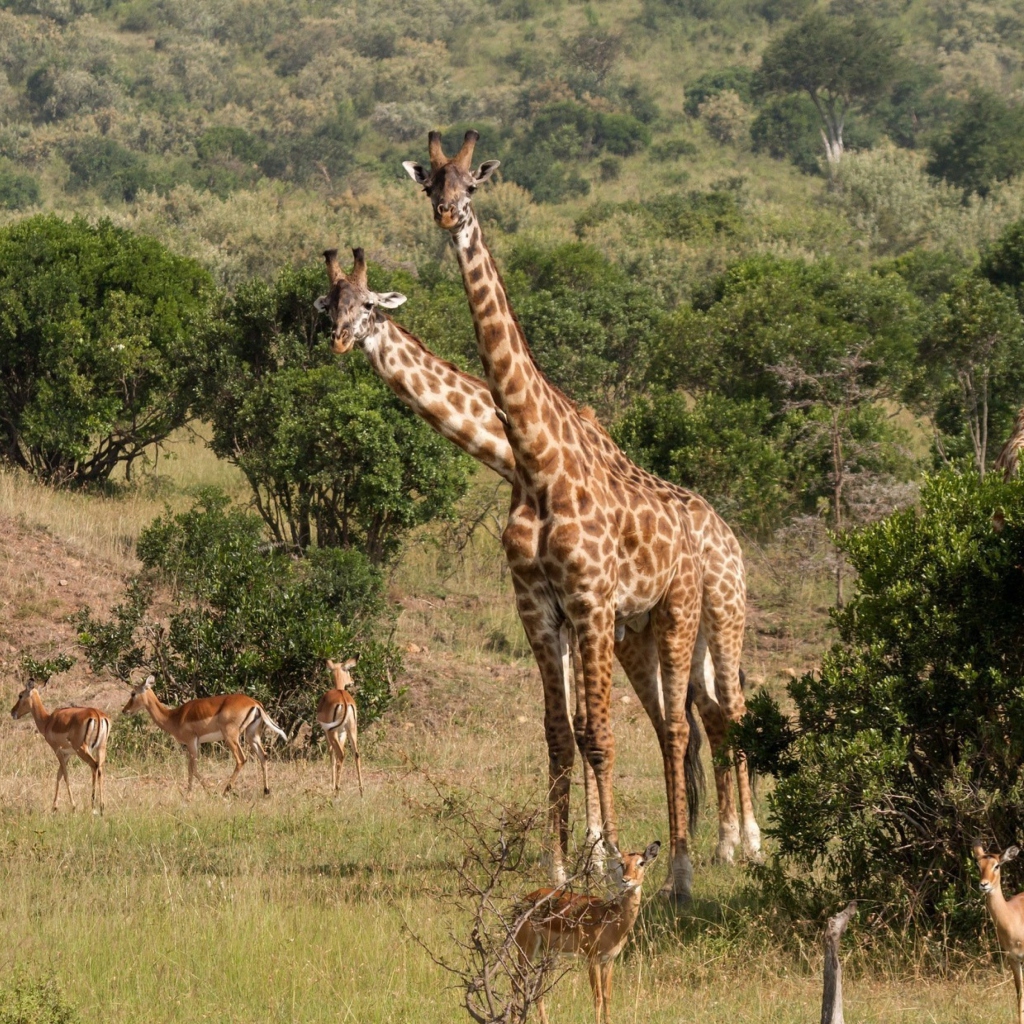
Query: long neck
[
  {"x": 517, "y": 386},
  {"x": 39, "y": 713},
  {"x": 456, "y": 405},
  {"x": 160, "y": 713}
]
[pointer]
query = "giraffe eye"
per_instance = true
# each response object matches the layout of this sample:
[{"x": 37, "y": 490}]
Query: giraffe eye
[
  {"x": 471, "y": 189},
  {"x": 367, "y": 305}
]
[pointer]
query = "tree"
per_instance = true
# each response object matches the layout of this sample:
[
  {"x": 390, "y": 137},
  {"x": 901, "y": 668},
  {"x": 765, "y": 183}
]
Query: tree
[
  {"x": 332, "y": 456},
  {"x": 971, "y": 368},
  {"x": 840, "y": 63},
  {"x": 101, "y": 346},
  {"x": 245, "y": 616},
  {"x": 983, "y": 144},
  {"x": 910, "y": 740}
]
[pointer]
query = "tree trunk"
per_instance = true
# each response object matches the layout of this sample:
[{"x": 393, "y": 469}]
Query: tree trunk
[{"x": 832, "y": 996}]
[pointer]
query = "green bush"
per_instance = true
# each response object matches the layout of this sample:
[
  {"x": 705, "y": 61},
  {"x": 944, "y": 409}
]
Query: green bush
[
  {"x": 983, "y": 144},
  {"x": 17, "y": 190},
  {"x": 116, "y": 173},
  {"x": 100, "y": 345},
  {"x": 739, "y": 80},
  {"x": 788, "y": 128},
  {"x": 910, "y": 740},
  {"x": 246, "y": 616},
  {"x": 31, "y": 1001}
]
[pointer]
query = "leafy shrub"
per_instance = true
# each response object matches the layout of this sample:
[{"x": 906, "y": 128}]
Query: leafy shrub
[
  {"x": 910, "y": 741},
  {"x": 983, "y": 144},
  {"x": 736, "y": 79},
  {"x": 33, "y": 1001},
  {"x": 117, "y": 173},
  {"x": 17, "y": 190},
  {"x": 725, "y": 116},
  {"x": 100, "y": 345},
  {"x": 333, "y": 458},
  {"x": 246, "y": 617},
  {"x": 788, "y": 128},
  {"x": 330, "y": 146}
]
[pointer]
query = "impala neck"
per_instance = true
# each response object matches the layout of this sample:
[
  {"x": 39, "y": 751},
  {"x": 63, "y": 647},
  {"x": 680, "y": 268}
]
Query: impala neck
[
  {"x": 160, "y": 713},
  {"x": 517, "y": 386},
  {"x": 39, "y": 713},
  {"x": 455, "y": 404}
]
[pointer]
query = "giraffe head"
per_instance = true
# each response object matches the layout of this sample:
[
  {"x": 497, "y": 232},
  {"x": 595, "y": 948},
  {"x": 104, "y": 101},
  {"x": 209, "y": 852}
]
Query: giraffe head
[
  {"x": 350, "y": 304},
  {"x": 451, "y": 183}
]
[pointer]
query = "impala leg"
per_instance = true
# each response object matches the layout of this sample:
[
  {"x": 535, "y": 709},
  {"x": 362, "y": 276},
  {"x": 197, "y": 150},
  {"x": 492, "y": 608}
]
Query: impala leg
[
  {"x": 353, "y": 730},
  {"x": 596, "y": 990},
  {"x": 236, "y": 749},
  {"x": 94, "y": 765},
  {"x": 192, "y": 753},
  {"x": 67, "y": 781},
  {"x": 1018, "y": 983},
  {"x": 60, "y": 772},
  {"x": 606, "y": 989},
  {"x": 257, "y": 745},
  {"x": 332, "y": 746}
]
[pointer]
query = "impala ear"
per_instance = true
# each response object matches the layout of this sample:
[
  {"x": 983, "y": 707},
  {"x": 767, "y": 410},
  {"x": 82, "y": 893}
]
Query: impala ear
[
  {"x": 150, "y": 680},
  {"x": 978, "y": 848},
  {"x": 1010, "y": 853},
  {"x": 351, "y": 663},
  {"x": 416, "y": 172},
  {"x": 651, "y": 852}
]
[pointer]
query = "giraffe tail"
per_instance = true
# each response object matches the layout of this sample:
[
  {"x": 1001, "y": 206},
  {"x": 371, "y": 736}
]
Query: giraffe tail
[{"x": 693, "y": 766}]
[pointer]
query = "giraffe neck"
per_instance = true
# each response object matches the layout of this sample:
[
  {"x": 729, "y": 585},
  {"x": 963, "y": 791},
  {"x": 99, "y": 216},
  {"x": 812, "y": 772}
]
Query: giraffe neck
[
  {"x": 519, "y": 389},
  {"x": 456, "y": 405}
]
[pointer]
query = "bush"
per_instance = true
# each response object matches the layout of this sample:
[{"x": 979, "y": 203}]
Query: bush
[
  {"x": 739, "y": 80},
  {"x": 117, "y": 173},
  {"x": 983, "y": 145},
  {"x": 246, "y": 617},
  {"x": 100, "y": 345},
  {"x": 910, "y": 741},
  {"x": 788, "y": 128},
  {"x": 31, "y": 1001},
  {"x": 17, "y": 190}
]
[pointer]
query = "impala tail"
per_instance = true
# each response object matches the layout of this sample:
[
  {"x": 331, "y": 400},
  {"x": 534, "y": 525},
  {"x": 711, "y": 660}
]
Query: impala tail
[
  {"x": 97, "y": 730},
  {"x": 270, "y": 724}
]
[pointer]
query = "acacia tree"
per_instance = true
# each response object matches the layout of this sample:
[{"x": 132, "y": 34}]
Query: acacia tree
[
  {"x": 840, "y": 63},
  {"x": 101, "y": 346}
]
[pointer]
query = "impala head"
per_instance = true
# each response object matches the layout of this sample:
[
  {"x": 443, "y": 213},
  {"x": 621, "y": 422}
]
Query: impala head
[
  {"x": 135, "y": 701},
  {"x": 627, "y": 869},
  {"x": 451, "y": 183},
  {"x": 989, "y": 865},
  {"x": 340, "y": 671},
  {"x": 350, "y": 304},
  {"x": 24, "y": 705}
]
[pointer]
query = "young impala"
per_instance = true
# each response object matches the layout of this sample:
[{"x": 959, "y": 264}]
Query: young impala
[
  {"x": 587, "y": 926},
  {"x": 82, "y": 731},
  {"x": 1007, "y": 914},
  {"x": 232, "y": 719},
  {"x": 336, "y": 714}
]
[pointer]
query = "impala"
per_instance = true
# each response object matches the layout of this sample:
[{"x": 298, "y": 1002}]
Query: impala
[
  {"x": 82, "y": 731},
  {"x": 587, "y": 926},
  {"x": 336, "y": 715},
  {"x": 1007, "y": 914},
  {"x": 232, "y": 719}
]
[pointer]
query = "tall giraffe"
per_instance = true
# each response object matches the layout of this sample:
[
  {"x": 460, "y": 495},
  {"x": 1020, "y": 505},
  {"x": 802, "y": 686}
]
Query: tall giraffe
[
  {"x": 590, "y": 537},
  {"x": 460, "y": 407}
]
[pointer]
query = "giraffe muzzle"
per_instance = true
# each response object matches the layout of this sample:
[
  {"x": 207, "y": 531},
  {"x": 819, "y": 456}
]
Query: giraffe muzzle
[{"x": 342, "y": 343}]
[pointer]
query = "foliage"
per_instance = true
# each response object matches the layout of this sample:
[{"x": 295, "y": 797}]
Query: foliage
[
  {"x": 589, "y": 324},
  {"x": 32, "y": 1001},
  {"x": 983, "y": 144},
  {"x": 909, "y": 741},
  {"x": 332, "y": 456},
  {"x": 739, "y": 80},
  {"x": 117, "y": 173},
  {"x": 971, "y": 369},
  {"x": 840, "y": 63},
  {"x": 788, "y": 127},
  {"x": 725, "y": 116},
  {"x": 17, "y": 190},
  {"x": 42, "y": 671},
  {"x": 100, "y": 345},
  {"x": 246, "y": 616}
]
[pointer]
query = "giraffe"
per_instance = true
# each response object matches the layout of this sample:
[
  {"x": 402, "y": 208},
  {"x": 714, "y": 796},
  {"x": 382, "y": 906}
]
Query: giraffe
[
  {"x": 459, "y": 406},
  {"x": 593, "y": 539}
]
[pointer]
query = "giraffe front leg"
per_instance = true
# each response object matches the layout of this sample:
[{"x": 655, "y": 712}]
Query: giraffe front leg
[
  {"x": 573, "y": 663},
  {"x": 542, "y": 627}
]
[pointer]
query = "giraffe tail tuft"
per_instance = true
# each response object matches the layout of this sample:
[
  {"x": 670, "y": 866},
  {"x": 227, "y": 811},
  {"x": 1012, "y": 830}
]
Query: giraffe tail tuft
[{"x": 693, "y": 766}]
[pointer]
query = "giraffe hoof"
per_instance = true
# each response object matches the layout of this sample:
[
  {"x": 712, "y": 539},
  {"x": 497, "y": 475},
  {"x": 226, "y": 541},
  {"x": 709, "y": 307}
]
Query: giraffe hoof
[{"x": 675, "y": 899}]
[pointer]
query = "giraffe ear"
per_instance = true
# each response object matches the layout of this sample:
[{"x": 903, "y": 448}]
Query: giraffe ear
[
  {"x": 416, "y": 172},
  {"x": 485, "y": 170},
  {"x": 321, "y": 304},
  {"x": 388, "y": 300}
]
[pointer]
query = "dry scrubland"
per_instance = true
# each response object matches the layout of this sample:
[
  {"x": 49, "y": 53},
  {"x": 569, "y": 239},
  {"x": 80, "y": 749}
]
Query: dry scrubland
[{"x": 297, "y": 907}]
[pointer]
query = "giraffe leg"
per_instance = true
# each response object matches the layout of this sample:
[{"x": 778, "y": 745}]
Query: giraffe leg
[
  {"x": 540, "y": 620},
  {"x": 676, "y": 621},
  {"x": 595, "y": 628},
  {"x": 574, "y": 662}
]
